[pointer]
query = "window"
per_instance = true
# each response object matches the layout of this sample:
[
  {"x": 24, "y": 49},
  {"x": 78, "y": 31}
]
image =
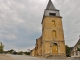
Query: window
[
  {"x": 53, "y": 34},
  {"x": 52, "y": 14},
  {"x": 55, "y": 44},
  {"x": 53, "y": 23}
]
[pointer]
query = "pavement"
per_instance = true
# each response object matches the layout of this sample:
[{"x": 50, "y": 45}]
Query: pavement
[{"x": 25, "y": 57}]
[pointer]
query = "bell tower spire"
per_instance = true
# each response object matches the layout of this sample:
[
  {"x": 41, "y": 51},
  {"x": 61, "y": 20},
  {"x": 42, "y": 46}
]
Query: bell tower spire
[
  {"x": 50, "y": 6},
  {"x": 51, "y": 10},
  {"x": 52, "y": 32}
]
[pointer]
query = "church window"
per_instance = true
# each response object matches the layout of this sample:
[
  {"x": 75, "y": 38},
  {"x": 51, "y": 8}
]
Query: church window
[
  {"x": 52, "y": 14},
  {"x": 53, "y": 23},
  {"x": 53, "y": 34}
]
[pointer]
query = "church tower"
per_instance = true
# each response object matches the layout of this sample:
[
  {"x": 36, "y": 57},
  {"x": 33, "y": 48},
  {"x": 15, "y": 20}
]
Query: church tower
[{"x": 52, "y": 32}]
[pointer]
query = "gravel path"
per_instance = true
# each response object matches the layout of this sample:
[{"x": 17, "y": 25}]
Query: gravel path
[
  {"x": 5, "y": 57},
  {"x": 24, "y": 57}
]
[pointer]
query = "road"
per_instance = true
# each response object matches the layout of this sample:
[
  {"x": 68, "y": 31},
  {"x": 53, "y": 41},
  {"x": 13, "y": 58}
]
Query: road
[{"x": 24, "y": 57}]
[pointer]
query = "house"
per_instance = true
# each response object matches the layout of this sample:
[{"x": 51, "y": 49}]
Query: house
[{"x": 76, "y": 50}]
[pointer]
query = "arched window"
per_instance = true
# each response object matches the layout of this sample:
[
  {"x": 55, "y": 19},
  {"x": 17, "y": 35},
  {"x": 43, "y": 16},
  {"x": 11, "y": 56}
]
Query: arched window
[
  {"x": 53, "y": 23},
  {"x": 53, "y": 34}
]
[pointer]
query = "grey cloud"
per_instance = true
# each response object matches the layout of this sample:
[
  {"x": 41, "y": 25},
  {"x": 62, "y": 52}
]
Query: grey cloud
[{"x": 20, "y": 21}]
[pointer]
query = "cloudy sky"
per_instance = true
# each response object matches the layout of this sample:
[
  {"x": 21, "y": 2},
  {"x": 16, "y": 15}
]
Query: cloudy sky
[{"x": 20, "y": 22}]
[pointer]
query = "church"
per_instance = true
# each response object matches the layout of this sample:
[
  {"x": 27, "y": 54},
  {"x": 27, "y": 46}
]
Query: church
[{"x": 52, "y": 42}]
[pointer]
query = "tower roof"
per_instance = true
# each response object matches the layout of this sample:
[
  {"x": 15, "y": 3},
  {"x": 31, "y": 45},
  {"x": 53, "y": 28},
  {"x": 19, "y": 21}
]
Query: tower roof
[{"x": 50, "y": 6}]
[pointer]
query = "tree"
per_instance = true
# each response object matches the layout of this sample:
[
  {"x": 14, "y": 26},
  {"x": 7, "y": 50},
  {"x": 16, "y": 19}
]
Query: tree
[
  {"x": 1, "y": 48},
  {"x": 27, "y": 53},
  {"x": 68, "y": 50},
  {"x": 11, "y": 51},
  {"x": 20, "y": 53}
]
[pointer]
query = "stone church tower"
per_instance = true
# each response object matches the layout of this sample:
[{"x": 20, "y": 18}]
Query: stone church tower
[
  {"x": 51, "y": 43},
  {"x": 52, "y": 32}
]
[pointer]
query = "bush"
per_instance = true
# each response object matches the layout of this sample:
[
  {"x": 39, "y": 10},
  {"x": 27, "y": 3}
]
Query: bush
[
  {"x": 14, "y": 52},
  {"x": 20, "y": 53},
  {"x": 27, "y": 53}
]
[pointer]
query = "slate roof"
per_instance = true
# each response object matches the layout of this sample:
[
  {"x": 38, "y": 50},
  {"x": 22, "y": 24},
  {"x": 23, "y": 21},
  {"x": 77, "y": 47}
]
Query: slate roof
[{"x": 50, "y": 6}]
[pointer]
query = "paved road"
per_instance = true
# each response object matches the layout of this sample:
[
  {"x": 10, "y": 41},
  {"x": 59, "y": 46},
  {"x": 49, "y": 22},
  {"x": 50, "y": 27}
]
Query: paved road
[{"x": 24, "y": 57}]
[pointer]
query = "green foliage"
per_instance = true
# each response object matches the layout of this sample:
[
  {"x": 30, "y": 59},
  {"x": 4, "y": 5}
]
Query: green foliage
[
  {"x": 78, "y": 49},
  {"x": 79, "y": 43},
  {"x": 27, "y": 53},
  {"x": 11, "y": 50},
  {"x": 1, "y": 49},
  {"x": 20, "y": 53},
  {"x": 5, "y": 52},
  {"x": 68, "y": 50}
]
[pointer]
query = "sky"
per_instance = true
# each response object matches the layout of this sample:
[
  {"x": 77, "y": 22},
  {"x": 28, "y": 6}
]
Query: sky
[{"x": 20, "y": 22}]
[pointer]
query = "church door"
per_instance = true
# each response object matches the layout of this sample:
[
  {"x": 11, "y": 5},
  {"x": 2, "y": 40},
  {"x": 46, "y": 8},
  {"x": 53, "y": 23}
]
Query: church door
[{"x": 55, "y": 49}]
